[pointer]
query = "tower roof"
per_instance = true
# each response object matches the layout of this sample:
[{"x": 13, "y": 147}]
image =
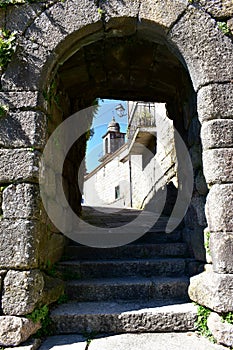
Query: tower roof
[{"x": 114, "y": 126}]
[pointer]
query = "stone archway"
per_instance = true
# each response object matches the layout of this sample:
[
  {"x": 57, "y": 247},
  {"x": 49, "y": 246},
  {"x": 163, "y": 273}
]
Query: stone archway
[{"x": 62, "y": 32}]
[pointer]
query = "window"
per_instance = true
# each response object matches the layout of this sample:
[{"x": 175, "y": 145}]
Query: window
[
  {"x": 106, "y": 146},
  {"x": 117, "y": 192}
]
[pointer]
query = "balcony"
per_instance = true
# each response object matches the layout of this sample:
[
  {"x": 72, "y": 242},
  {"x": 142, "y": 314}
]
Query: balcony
[{"x": 142, "y": 126}]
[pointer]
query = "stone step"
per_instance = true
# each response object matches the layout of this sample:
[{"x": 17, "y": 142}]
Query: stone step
[
  {"x": 123, "y": 317},
  {"x": 119, "y": 268},
  {"x": 154, "y": 236},
  {"x": 113, "y": 217},
  {"x": 106, "y": 216},
  {"x": 137, "y": 251},
  {"x": 128, "y": 288}
]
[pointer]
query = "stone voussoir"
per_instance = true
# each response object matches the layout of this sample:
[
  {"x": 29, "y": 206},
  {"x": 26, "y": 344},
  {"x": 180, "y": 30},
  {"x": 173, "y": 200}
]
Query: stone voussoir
[
  {"x": 24, "y": 13},
  {"x": 194, "y": 27},
  {"x": 22, "y": 99},
  {"x": 21, "y": 201},
  {"x": 27, "y": 71},
  {"x": 218, "y": 8},
  {"x": 67, "y": 18},
  {"x": 23, "y": 291},
  {"x": 219, "y": 208},
  {"x": 48, "y": 35},
  {"x": 217, "y": 165},
  {"x": 217, "y": 134},
  {"x": 215, "y": 101},
  {"x": 23, "y": 129},
  {"x": 164, "y": 13},
  {"x": 120, "y": 18},
  {"x": 212, "y": 290},
  {"x": 15, "y": 330},
  {"x": 19, "y": 165},
  {"x": 114, "y": 8}
]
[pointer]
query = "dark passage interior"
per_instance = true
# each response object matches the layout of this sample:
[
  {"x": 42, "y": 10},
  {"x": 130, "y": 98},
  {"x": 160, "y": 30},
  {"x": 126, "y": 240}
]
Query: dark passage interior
[
  {"x": 155, "y": 269},
  {"x": 136, "y": 69}
]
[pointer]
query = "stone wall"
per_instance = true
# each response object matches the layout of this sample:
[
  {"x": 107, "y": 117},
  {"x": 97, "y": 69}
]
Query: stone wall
[
  {"x": 136, "y": 50},
  {"x": 217, "y": 147}
]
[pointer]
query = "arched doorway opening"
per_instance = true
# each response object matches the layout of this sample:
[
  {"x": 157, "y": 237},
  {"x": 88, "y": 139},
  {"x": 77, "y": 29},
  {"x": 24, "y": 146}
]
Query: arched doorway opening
[
  {"x": 182, "y": 37},
  {"x": 132, "y": 67}
]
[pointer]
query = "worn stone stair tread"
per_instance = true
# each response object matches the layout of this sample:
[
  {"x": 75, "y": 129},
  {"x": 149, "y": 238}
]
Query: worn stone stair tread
[
  {"x": 73, "y": 308},
  {"x": 152, "y": 236},
  {"x": 126, "y": 280},
  {"x": 155, "y": 236},
  {"x": 121, "y": 261},
  {"x": 128, "y": 288},
  {"x": 135, "y": 244},
  {"x": 125, "y": 267},
  {"x": 137, "y": 250},
  {"x": 120, "y": 316}
]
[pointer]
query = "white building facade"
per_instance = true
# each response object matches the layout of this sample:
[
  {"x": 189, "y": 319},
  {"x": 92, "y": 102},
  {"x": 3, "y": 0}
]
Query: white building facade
[{"x": 132, "y": 174}]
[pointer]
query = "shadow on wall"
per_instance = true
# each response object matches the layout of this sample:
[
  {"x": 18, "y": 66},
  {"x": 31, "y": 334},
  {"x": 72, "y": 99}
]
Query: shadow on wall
[
  {"x": 192, "y": 234},
  {"x": 170, "y": 191}
]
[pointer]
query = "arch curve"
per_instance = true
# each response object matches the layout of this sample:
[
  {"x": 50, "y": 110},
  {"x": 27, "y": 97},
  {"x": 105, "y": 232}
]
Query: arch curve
[{"x": 60, "y": 30}]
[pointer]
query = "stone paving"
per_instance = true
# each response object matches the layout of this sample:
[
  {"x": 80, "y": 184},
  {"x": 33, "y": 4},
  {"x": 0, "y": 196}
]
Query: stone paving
[{"x": 143, "y": 341}]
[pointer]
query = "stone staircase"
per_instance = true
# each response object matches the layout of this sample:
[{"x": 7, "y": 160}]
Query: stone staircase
[{"x": 139, "y": 287}]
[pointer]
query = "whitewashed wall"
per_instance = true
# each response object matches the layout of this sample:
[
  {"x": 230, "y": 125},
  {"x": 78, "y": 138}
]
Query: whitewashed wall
[
  {"x": 159, "y": 171},
  {"x": 99, "y": 186}
]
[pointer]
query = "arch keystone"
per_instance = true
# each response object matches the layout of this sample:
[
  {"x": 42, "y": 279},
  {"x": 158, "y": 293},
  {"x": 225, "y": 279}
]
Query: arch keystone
[{"x": 163, "y": 13}]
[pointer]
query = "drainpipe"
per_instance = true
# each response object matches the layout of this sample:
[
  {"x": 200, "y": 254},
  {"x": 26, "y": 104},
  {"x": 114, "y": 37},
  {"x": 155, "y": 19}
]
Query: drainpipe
[{"x": 130, "y": 182}]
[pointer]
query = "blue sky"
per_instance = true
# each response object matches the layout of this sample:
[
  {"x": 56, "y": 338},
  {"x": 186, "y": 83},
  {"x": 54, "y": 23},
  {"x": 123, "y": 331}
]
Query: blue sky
[{"x": 100, "y": 123}]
